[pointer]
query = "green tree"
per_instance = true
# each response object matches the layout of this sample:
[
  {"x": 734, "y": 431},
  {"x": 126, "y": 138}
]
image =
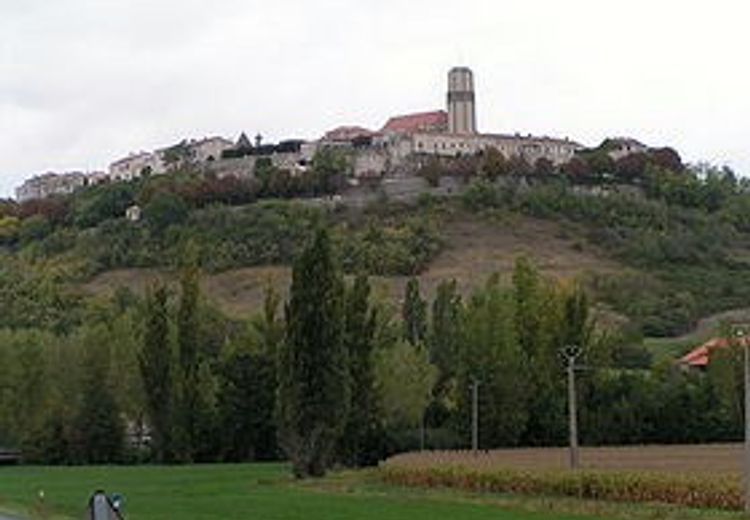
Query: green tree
[
  {"x": 247, "y": 397},
  {"x": 155, "y": 364},
  {"x": 313, "y": 395},
  {"x": 163, "y": 210},
  {"x": 444, "y": 340},
  {"x": 188, "y": 399},
  {"x": 414, "y": 313},
  {"x": 102, "y": 202},
  {"x": 493, "y": 164},
  {"x": 405, "y": 379},
  {"x": 360, "y": 444},
  {"x": 537, "y": 318},
  {"x": 444, "y": 337},
  {"x": 99, "y": 430},
  {"x": 492, "y": 356},
  {"x": 246, "y": 403},
  {"x": 329, "y": 169}
]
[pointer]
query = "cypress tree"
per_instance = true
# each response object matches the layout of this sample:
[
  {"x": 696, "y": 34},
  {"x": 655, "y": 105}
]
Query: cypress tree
[{"x": 313, "y": 391}]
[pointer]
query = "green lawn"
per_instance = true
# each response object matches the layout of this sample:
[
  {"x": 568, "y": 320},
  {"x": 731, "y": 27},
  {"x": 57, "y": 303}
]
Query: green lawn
[{"x": 226, "y": 492}]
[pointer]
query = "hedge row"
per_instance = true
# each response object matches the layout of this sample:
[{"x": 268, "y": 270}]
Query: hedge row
[{"x": 700, "y": 491}]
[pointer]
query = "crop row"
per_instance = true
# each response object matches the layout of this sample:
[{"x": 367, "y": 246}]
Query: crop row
[{"x": 626, "y": 486}]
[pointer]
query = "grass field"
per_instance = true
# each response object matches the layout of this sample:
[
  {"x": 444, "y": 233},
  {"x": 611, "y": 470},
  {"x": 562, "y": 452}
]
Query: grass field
[
  {"x": 259, "y": 491},
  {"x": 266, "y": 491}
]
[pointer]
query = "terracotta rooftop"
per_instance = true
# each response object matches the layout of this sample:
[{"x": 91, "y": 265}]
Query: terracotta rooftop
[
  {"x": 416, "y": 122},
  {"x": 701, "y": 355}
]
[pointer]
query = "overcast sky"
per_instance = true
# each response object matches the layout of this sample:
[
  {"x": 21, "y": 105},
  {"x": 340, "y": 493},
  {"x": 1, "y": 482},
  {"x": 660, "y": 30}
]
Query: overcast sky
[{"x": 85, "y": 82}]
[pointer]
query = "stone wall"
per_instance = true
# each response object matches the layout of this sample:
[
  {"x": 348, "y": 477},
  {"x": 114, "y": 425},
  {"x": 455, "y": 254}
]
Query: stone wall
[{"x": 406, "y": 189}]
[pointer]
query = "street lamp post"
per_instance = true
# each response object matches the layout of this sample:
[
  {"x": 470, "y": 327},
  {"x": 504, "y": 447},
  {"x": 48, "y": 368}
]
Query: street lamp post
[{"x": 571, "y": 353}]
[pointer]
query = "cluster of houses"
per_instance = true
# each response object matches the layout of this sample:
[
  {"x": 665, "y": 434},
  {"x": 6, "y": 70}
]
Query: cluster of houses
[{"x": 375, "y": 153}]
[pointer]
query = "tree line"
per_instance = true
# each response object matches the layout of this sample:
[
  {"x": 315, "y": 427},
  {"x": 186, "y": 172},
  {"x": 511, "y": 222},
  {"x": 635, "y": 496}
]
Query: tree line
[{"x": 337, "y": 376}]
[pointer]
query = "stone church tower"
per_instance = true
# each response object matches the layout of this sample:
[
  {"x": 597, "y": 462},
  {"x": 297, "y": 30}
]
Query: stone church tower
[{"x": 462, "y": 118}]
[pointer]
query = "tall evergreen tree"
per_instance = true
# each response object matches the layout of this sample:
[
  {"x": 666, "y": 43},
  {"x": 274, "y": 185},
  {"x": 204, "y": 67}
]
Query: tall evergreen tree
[
  {"x": 155, "y": 363},
  {"x": 313, "y": 392},
  {"x": 414, "y": 313},
  {"x": 361, "y": 444}
]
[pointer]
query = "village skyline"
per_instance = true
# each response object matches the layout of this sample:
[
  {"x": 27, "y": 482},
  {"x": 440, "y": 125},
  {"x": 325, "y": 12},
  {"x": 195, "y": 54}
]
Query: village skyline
[{"x": 118, "y": 79}]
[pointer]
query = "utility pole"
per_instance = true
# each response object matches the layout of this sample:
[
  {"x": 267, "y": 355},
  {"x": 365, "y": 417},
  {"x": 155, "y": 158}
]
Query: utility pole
[
  {"x": 571, "y": 353},
  {"x": 740, "y": 335},
  {"x": 475, "y": 417}
]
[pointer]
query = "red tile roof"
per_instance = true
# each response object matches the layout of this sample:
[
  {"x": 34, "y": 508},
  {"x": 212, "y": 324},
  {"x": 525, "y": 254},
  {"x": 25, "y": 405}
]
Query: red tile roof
[
  {"x": 701, "y": 356},
  {"x": 416, "y": 122}
]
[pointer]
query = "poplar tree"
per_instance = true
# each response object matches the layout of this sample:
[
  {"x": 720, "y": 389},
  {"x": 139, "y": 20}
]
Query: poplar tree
[
  {"x": 313, "y": 391},
  {"x": 538, "y": 317},
  {"x": 445, "y": 331},
  {"x": 444, "y": 341},
  {"x": 360, "y": 444},
  {"x": 414, "y": 313},
  {"x": 492, "y": 357},
  {"x": 155, "y": 363},
  {"x": 187, "y": 405}
]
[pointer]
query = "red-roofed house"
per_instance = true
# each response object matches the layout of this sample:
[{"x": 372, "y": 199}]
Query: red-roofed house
[
  {"x": 700, "y": 356},
  {"x": 436, "y": 121}
]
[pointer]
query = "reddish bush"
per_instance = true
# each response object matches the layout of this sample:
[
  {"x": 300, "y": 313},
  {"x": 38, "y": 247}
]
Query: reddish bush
[{"x": 55, "y": 209}]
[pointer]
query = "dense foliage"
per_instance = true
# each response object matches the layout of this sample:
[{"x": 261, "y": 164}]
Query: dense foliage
[
  {"x": 681, "y": 233},
  {"x": 344, "y": 377}
]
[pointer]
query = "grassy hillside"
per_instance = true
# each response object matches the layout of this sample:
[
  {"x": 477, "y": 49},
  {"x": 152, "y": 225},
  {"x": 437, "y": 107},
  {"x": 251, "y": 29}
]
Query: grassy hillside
[
  {"x": 473, "y": 248},
  {"x": 661, "y": 256}
]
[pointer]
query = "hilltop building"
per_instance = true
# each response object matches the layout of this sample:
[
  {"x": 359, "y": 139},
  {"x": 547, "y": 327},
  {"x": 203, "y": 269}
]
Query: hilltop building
[
  {"x": 619, "y": 147},
  {"x": 397, "y": 149},
  {"x": 159, "y": 161},
  {"x": 50, "y": 183},
  {"x": 433, "y": 122},
  {"x": 449, "y": 133}
]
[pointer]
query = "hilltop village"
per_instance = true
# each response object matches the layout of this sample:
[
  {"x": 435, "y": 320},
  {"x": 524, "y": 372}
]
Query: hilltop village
[{"x": 397, "y": 151}]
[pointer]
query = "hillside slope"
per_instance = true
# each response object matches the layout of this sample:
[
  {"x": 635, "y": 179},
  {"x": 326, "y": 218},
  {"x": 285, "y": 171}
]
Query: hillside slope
[{"x": 473, "y": 250}]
